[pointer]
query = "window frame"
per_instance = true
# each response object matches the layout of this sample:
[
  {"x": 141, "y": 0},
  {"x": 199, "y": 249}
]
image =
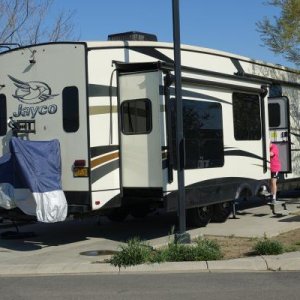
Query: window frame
[
  {"x": 67, "y": 100},
  {"x": 146, "y": 100},
  {"x": 246, "y": 113},
  {"x": 216, "y": 162},
  {"x": 278, "y": 114}
]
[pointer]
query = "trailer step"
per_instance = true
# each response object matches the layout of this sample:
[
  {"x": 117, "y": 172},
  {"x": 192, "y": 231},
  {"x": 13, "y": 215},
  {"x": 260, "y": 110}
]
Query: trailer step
[{"x": 277, "y": 205}]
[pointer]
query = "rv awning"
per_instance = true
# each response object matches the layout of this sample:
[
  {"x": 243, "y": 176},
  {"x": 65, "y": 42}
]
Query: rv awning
[{"x": 124, "y": 67}]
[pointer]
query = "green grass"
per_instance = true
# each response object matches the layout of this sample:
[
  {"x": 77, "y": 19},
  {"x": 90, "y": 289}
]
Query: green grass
[{"x": 138, "y": 252}]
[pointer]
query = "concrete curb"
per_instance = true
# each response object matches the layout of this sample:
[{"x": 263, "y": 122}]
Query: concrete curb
[
  {"x": 284, "y": 262},
  {"x": 240, "y": 264}
]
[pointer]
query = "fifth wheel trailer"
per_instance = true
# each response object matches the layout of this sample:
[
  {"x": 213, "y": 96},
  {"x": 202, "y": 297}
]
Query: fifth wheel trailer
[{"x": 108, "y": 107}]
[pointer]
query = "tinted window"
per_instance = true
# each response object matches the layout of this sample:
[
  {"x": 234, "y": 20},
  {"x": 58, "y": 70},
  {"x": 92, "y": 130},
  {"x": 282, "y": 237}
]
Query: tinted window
[
  {"x": 3, "y": 115},
  {"x": 203, "y": 131},
  {"x": 136, "y": 116},
  {"x": 274, "y": 114},
  {"x": 70, "y": 109},
  {"x": 246, "y": 116}
]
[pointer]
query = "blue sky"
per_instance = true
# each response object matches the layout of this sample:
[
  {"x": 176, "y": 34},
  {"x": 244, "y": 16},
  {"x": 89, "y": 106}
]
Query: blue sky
[{"x": 227, "y": 25}]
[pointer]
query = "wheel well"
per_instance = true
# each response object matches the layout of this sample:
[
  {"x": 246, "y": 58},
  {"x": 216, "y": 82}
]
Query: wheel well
[
  {"x": 261, "y": 186},
  {"x": 243, "y": 192}
]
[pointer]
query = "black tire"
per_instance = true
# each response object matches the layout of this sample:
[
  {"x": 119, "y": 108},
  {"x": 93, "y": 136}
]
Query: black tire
[
  {"x": 199, "y": 216},
  {"x": 221, "y": 212},
  {"x": 117, "y": 215}
]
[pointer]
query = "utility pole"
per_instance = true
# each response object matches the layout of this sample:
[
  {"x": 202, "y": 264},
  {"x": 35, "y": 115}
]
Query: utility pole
[{"x": 181, "y": 236}]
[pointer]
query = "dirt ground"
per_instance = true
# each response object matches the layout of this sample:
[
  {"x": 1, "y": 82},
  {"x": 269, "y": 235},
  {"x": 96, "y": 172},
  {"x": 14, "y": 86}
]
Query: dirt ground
[{"x": 235, "y": 247}]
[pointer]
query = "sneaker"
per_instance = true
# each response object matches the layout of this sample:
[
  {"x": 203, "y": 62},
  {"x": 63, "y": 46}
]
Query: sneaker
[
  {"x": 274, "y": 202},
  {"x": 265, "y": 193}
]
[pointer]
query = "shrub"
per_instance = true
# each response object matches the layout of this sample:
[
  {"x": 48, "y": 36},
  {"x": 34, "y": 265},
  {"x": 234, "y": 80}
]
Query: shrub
[
  {"x": 176, "y": 252},
  {"x": 207, "y": 250},
  {"x": 204, "y": 249},
  {"x": 268, "y": 247},
  {"x": 137, "y": 252},
  {"x": 134, "y": 253}
]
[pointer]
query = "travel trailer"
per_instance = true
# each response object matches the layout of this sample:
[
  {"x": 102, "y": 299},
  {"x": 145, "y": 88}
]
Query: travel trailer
[{"x": 108, "y": 107}]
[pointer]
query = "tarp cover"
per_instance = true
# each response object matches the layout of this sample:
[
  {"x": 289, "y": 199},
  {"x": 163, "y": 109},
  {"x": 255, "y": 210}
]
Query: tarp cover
[
  {"x": 34, "y": 165},
  {"x": 6, "y": 182}
]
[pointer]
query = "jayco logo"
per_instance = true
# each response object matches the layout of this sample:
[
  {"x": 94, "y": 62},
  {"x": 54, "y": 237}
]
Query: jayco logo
[{"x": 33, "y": 92}]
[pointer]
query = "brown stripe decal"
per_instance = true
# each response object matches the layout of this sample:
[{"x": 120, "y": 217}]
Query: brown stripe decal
[
  {"x": 101, "y": 160},
  {"x": 103, "y": 170},
  {"x": 103, "y": 109}
]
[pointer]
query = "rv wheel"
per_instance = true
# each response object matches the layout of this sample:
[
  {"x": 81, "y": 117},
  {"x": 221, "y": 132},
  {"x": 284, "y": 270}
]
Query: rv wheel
[
  {"x": 199, "y": 216},
  {"x": 221, "y": 212},
  {"x": 118, "y": 214}
]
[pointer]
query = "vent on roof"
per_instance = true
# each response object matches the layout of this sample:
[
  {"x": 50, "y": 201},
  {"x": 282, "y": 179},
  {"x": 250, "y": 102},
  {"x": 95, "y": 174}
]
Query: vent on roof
[{"x": 132, "y": 36}]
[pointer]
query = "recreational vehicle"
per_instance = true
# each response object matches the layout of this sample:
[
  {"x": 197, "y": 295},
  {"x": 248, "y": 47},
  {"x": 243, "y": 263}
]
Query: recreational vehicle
[{"x": 109, "y": 108}]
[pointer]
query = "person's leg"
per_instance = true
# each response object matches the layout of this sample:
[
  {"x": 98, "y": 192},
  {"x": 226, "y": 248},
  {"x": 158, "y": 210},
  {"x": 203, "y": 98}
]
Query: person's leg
[{"x": 273, "y": 188}]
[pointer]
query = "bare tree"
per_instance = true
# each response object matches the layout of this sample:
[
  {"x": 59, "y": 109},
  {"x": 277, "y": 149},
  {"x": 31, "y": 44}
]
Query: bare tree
[{"x": 30, "y": 22}]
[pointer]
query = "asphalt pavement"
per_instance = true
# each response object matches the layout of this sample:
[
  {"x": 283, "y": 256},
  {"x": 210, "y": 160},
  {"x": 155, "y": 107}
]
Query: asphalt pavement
[{"x": 81, "y": 246}]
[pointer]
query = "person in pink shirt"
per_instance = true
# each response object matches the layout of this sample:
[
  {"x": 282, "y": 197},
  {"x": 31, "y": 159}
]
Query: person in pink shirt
[{"x": 275, "y": 166}]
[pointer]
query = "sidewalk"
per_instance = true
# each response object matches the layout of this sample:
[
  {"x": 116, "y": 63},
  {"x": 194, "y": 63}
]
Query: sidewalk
[{"x": 59, "y": 248}]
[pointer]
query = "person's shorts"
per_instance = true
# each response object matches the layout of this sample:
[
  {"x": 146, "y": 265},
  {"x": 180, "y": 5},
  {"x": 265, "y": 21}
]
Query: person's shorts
[{"x": 275, "y": 175}]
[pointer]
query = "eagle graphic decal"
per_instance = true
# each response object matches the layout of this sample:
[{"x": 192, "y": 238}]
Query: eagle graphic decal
[{"x": 31, "y": 92}]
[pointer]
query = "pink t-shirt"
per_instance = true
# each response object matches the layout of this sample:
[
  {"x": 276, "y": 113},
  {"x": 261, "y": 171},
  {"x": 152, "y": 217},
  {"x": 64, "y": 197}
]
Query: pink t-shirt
[{"x": 275, "y": 162}]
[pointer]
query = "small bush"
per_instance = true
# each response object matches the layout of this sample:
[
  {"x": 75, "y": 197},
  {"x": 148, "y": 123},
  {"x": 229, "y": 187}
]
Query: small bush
[
  {"x": 204, "y": 249},
  {"x": 207, "y": 250},
  {"x": 176, "y": 252},
  {"x": 134, "y": 253},
  {"x": 268, "y": 247}
]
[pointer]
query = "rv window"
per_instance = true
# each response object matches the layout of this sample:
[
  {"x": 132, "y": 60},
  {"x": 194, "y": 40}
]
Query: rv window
[
  {"x": 136, "y": 116},
  {"x": 274, "y": 114},
  {"x": 3, "y": 115},
  {"x": 70, "y": 109},
  {"x": 246, "y": 116},
  {"x": 203, "y": 131}
]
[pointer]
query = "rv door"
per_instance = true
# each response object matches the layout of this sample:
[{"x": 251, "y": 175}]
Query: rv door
[
  {"x": 280, "y": 130},
  {"x": 140, "y": 133}
]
